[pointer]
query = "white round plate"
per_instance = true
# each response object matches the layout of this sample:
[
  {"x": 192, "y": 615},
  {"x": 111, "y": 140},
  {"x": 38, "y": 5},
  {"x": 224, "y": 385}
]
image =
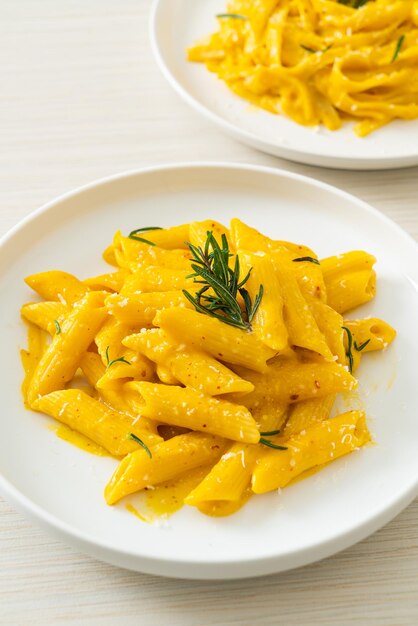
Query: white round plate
[
  {"x": 62, "y": 486},
  {"x": 177, "y": 24}
]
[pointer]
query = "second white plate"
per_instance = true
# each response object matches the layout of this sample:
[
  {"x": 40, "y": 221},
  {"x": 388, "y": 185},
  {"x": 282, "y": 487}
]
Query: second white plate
[{"x": 177, "y": 24}]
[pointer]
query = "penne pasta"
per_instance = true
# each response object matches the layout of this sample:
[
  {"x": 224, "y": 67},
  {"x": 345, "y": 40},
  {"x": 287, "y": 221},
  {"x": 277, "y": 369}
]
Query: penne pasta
[
  {"x": 140, "y": 309},
  {"x": 186, "y": 407},
  {"x": 320, "y": 444},
  {"x": 225, "y": 343},
  {"x": 208, "y": 362},
  {"x": 96, "y": 421},
  {"x": 57, "y": 285},
  {"x": 169, "y": 459},
  {"x": 192, "y": 368},
  {"x": 62, "y": 358},
  {"x": 47, "y": 315},
  {"x": 268, "y": 323}
]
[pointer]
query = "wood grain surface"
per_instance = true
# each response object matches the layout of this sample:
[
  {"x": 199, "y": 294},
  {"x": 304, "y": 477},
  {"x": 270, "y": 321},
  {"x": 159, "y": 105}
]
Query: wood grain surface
[{"x": 82, "y": 98}]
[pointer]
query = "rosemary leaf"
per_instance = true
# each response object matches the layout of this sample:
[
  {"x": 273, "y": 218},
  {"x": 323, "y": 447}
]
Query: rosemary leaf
[
  {"x": 270, "y": 433},
  {"x": 398, "y": 48},
  {"x": 133, "y": 234},
  {"x": 141, "y": 443},
  {"x": 232, "y": 16},
  {"x": 270, "y": 444},
  {"x": 58, "y": 327},
  {"x": 349, "y": 352},
  {"x": 121, "y": 359},
  {"x": 306, "y": 258},
  {"x": 362, "y": 346}
]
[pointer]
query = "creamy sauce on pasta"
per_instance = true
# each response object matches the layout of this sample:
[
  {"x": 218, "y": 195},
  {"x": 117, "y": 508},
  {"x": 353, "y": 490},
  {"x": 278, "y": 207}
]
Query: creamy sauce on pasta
[{"x": 78, "y": 440}]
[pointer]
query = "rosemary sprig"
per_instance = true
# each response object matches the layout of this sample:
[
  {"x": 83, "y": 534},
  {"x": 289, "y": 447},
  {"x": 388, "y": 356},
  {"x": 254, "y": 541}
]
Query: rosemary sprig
[
  {"x": 362, "y": 346},
  {"x": 349, "y": 351},
  {"x": 141, "y": 443},
  {"x": 121, "y": 359},
  {"x": 270, "y": 444},
  {"x": 211, "y": 270},
  {"x": 133, "y": 234},
  {"x": 306, "y": 258},
  {"x": 399, "y": 44},
  {"x": 58, "y": 327},
  {"x": 234, "y": 16},
  {"x": 270, "y": 433}
]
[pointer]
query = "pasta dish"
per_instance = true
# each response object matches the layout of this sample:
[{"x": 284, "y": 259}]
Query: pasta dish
[
  {"x": 209, "y": 359},
  {"x": 319, "y": 61}
]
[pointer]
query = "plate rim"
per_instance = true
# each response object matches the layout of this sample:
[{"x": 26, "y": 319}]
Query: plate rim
[
  {"x": 309, "y": 157},
  {"x": 210, "y": 569}
]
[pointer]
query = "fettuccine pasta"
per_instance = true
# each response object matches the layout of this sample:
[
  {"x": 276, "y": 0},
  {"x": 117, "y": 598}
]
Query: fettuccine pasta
[{"x": 319, "y": 61}]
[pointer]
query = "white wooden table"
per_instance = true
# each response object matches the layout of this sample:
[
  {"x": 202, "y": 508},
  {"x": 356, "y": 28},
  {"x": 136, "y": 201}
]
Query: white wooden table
[{"x": 81, "y": 98}]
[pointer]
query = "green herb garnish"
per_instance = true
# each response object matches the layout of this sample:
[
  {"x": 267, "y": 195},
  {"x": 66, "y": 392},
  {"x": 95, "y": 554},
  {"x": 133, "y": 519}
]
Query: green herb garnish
[
  {"x": 121, "y": 359},
  {"x": 311, "y": 50},
  {"x": 270, "y": 444},
  {"x": 141, "y": 443},
  {"x": 270, "y": 433},
  {"x": 349, "y": 352},
  {"x": 211, "y": 269},
  {"x": 354, "y": 4},
  {"x": 58, "y": 327},
  {"x": 306, "y": 258},
  {"x": 233, "y": 16},
  {"x": 398, "y": 48},
  {"x": 133, "y": 234},
  {"x": 363, "y": 345}
]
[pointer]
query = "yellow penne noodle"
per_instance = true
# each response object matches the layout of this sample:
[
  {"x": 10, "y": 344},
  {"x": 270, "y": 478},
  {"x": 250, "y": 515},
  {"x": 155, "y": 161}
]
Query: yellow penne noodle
[
  {"x": 198, "y": 232},
  {"x": 140, "y": 309},
  {"x": 133, "y": 254},
  {"x": 165, "y": 375},
  {"x": 229, "y": 478},
  {"x": 210, "y": 335},
  {"x": 301, "y": 325},
  {"x": 335, "y": 266},
  {"x": 186, "y": 407},
  {"x": 62, "y": 358},
  {"x": 222, "y": 508},
  {"x": 95, "y": 420},
  {"x": 268, "y": 323},
  {"x": 107, "y": 282},
  {"x": 134, "y": 366},
  {"x": 377, "y": 333},
  {"x": 305, "y": 414},
  {"x": 330, "y": 324},
  {"x": 154, "y": 278},
  {"x": 109, "y": 256},
  {"x": 93, "y": 369},
  {"x": 169, "y": 459},
  {"x": 109, "y": 340},
  {"x": 169, "y": 238},
  {"x": 46, "y": 315},
  {"x": 293, "y": 381},
  {"x": 348, "y": 291},
  {"x": 192, "y": 368},
  {"x": 31, "y": 357},
  {"x": 320, "y": 444},
  {"x": 57, "y": 285}
]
